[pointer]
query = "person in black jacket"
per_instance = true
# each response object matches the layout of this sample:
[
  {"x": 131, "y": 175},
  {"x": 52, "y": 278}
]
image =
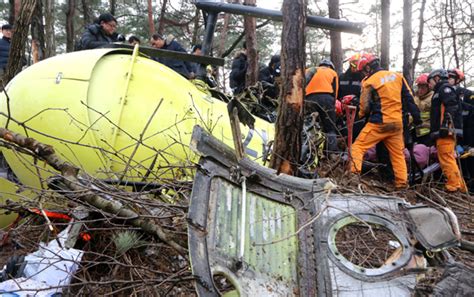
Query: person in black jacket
[
  {"x": 182, "y": 67},
  {"x": 446, "y": 126},
  {"x": 5, "y": 47},
  {"x": 350, "y": 81},
  {"x": 100, "y": 33},
  {"x": 267, "y": 76},
  {"x": 239, "y": 70}
]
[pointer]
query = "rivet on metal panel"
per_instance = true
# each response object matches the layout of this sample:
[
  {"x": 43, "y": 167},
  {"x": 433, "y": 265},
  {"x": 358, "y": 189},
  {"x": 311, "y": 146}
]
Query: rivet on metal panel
[{"x": 59, "y": 77}]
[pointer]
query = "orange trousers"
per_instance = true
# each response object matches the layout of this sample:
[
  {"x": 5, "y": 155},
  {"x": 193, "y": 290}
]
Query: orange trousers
[
  {"x": 392, "y": 136},
  {"x": 447, "y": 160}
]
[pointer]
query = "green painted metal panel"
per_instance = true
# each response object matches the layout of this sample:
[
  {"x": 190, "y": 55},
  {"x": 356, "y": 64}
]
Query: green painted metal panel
[{"x": 270, "y": 245}]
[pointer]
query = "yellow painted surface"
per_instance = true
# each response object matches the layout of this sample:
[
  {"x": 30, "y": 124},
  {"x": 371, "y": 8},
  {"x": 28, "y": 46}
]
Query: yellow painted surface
[{"x": 96, "y": 108}]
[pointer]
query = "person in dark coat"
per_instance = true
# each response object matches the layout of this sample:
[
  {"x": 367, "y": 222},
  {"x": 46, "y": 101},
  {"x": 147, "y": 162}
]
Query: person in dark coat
[
  {"x": 196, "y": 50},
  {"x": 5, "y": 47},
  {"x": 100, "y": 33},
  {"x": 446, "y": 127},
  {"x": 239, "y": 69},
  {"x": 267, "y": 76},
  {"x": 350, "y": 81},
  {"x": 182, "y": 67}
]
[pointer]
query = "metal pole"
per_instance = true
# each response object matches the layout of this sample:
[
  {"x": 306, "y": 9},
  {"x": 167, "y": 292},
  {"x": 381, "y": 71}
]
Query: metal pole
[
  {"x": 276, "y": 15},
  {"x": 207, "y": 44},
  {"x": 209, "y": 35}
]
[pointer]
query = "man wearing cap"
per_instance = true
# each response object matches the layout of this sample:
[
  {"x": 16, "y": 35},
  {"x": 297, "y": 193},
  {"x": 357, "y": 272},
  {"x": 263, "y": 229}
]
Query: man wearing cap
[{"x": 5, "y": 47}]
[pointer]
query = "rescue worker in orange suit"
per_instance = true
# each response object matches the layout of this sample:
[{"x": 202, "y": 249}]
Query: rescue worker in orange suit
[
  {"x": 445, "y": 126},
  {"x": 423, "y": 101},
  {"x": 321, "y": 93},
  {"x": 384, "y": 96},
  {"x": 466, "y": 96}
]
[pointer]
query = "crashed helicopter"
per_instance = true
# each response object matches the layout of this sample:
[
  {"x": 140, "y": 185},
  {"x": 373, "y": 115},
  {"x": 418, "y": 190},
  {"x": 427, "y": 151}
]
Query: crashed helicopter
[
  {"x": 121, "y": 116},
  {"x": 124, "y": 118}
]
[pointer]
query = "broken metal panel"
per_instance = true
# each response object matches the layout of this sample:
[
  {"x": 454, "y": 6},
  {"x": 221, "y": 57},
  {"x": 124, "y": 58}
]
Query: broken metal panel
[
  {"x": 268, "y": 268},
  {"x": 307, "y": 264},
  {"x": 347, "y": 279},
  {"x": 267, "y": 221},
  {"x": 434, "y": 227},
  {"x": 273, "y": 265}
]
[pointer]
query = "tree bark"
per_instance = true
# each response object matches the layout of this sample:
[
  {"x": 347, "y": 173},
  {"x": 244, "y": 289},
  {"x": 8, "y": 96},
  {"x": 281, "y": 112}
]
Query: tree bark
[
  {"x": 441, "y": 39},
  {"x": 18, "y": 42},
  {"x": 385, "y": 40},
  {"x": 11, "y": 11},
  {"x": 50, "y": 42},
  {"x": 71, "y": 11},
  {"x": 195, "y": 37},
  {"x": 451, "y": 25},
  {"x": 407, "y": 44},
  {"x": 250, "y": 23},
  {"x": 37, "y": 32},
  {"x": 151, "y": 23},
  {"x": 113, "y": 5},
  {"x": 86, "y": 11},
  {"x": 161, "y": 21},
  {"x": 287, "y": 146},
  {"x": 336, "y": 44},
  {"x": 420, "y": 37}
]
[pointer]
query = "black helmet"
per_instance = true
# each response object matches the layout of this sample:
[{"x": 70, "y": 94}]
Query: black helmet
[
  {"x": 442, "y": 73},
  {"x": 326, "y": 62}
]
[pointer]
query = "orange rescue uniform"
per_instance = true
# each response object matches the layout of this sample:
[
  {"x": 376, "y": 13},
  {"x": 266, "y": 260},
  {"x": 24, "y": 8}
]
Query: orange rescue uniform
[
  {"x": 446, "y": 149},
  {"x": 382, "y": 97},
  {"x": 322, "y": 80}
]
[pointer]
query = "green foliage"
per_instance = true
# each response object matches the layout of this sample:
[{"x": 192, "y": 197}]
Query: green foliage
[{"x": 125, "y": 241}]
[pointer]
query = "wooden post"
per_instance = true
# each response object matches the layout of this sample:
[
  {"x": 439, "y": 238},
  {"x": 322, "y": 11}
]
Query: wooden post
[
  {"x": 336, "y": 43},
  {"x": 251, "y": 77},
  {"x": 385, "y": 40},
  {"x": 407, "y": 43},
  {"x": 19, "y": 38},
  {"x": 151, "y": 23},
  {"x": 286, "y": 152}
]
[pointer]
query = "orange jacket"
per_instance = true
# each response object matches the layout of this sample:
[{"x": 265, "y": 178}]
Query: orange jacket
[
  {"x": 384, "y": 96},
  {"x": 324, "y": 80}
]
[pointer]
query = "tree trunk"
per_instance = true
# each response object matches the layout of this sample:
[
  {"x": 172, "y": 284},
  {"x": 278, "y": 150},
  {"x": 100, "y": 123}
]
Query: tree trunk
[
  {"x": 37, "y": 32},
  {"x": 50, "y": 43},
  {"x": 336, "y": 45},
  {"x": 441, "y": 39},
  {"x": 161, "y": 21},
  {"x": 17, "y": 48},
  {"x": 250, "y": 23},
  {"x": 420, "y": 38},
  {"x": 87, "y": 14},
  {"x": 113, "y": 4},
  {"x": 407, "y": 44},
  {"x": 71, "y": 10},
  {"x": 385, "y": 40},
  {"x": 151, "y": 23},
  {"x": 11, "y": 11},
  {"x": 196, "y": 27},
  {"x": 451, "y": 25},
  {"x": 287, "y": 146}
]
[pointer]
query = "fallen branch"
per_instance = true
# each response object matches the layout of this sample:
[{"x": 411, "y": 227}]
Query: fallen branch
[{"x": 72, "y": 182}]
